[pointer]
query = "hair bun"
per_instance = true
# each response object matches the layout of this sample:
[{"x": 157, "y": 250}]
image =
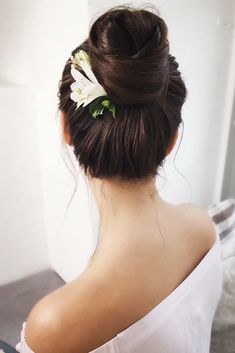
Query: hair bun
[{"x": 129, "y": 54}]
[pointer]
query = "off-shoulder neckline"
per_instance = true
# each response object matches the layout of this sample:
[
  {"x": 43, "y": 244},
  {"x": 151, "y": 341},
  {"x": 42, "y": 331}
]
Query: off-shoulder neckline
[
  {"x": 179, "y": 292},
  {"x": 181, "y": 288},
  {"x": 184, "y": 286}
]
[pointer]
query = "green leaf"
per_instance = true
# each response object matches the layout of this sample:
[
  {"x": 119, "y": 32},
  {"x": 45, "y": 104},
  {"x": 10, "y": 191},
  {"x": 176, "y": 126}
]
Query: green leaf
[
  {"x": 99, "y": 104},
  {"x": 106, "y": 103},
  {"x": 97, "y": 111},
  {"x": 112, "y": 109},
  {"x": 96, "y": 108}
]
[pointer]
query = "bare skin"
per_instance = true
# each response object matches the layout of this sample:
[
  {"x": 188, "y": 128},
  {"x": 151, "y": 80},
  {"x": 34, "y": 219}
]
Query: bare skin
[{"x": 147, "y": 248}]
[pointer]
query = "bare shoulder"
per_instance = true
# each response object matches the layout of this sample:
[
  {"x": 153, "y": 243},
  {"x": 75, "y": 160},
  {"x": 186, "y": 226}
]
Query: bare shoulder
[
  {"x": 199, "y": 220},
  {"x": 77, "y": 317}
]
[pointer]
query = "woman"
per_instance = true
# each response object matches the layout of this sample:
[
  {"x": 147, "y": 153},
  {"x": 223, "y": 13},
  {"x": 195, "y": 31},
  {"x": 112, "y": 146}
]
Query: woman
[{"x": 154, "y": 281}]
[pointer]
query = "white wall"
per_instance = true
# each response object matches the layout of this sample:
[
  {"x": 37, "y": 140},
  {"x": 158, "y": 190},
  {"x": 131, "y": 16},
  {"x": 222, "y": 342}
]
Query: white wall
[
  {"x": 36, "y": 38},
  {"x": 57, "y": 27},
  {"x": 227, "y": 156},
  {"x": 23, "y": 249},
  {"x": 23, "y": 246}
]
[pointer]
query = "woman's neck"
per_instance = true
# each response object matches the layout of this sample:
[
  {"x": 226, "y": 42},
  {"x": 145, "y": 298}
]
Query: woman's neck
[{"x": 127, "y": 211}]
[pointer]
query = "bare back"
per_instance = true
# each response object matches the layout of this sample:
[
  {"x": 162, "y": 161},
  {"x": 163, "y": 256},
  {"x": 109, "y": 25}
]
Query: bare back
[
  {"x": 120, "y": 288},
  {"x": 154, "y": 269}
]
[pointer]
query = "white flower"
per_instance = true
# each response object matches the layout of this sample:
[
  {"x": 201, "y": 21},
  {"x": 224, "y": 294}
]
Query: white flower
[{"x": 84, "y": 91}]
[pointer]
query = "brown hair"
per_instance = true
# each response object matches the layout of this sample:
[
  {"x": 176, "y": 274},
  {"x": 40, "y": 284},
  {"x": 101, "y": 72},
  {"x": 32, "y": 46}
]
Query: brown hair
[{"x": 129, "y": 54}]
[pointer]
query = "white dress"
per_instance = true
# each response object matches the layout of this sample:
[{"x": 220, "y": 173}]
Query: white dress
[{"x": 180, "y": 323}]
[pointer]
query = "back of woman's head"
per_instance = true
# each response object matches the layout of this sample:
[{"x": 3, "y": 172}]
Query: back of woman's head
[{"x": 129, "y": 55}]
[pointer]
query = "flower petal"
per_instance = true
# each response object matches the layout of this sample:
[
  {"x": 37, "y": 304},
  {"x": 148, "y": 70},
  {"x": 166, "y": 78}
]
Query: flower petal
[
  {"x": 81, "y": 55},
  {"x": 84, "y": 91},
  {"x": 88, "y": 71},
  {"x": 97, "y": 90},
  {"x": 91, "y": 97},
  {"x": 81, "y": 59},
  {"x": 79, "y": 77},
  {"x": 75, "y": 96},
  {"x": 75, "y": 85}
]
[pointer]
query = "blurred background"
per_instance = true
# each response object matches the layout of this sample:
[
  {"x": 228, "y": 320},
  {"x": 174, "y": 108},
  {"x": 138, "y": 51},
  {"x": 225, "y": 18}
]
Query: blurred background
[{"x": 41, "y": 242}]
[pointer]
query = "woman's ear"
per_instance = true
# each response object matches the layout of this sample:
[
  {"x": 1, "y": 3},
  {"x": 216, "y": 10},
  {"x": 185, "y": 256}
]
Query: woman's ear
[
  {"x": 173, "y": 142},
  {"x": 65, "y": 132}
]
